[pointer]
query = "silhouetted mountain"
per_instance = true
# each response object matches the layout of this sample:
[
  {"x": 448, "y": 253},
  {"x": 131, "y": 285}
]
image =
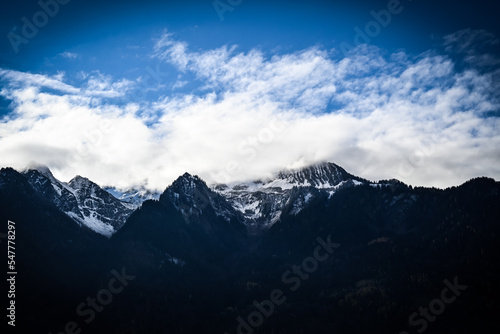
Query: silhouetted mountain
[
  {"x": 345, "y": 256},
  {"x": 189, "y": 222},
  {"x": 57, "y": 261}
]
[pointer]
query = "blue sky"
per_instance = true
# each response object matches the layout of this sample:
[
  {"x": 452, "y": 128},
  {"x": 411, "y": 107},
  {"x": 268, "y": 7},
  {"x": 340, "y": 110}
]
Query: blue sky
[{"x": 136, "y": 93}]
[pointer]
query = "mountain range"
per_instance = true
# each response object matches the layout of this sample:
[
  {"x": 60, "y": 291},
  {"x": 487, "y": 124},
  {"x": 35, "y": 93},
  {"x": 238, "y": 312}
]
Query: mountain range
[
  {"x": 257, "y": 204},
  {"x": 206, "y": 258}
]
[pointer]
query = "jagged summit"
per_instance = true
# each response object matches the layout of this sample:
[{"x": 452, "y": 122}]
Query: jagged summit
[
  {"x": 258, "y": 204},
  {"x": 80, "y": 181},
  {"x": 186, "y": 186},
  {"x": 322, "y": 175},
  {"x": 191, "y": 196},
  {"x": 263, "y": 202},
  {"x": 9, "y": 177},
  {"x": 40, "y": 168},
  {"x": 189, "y": 181},
  {"x": 81, "y": 199}
]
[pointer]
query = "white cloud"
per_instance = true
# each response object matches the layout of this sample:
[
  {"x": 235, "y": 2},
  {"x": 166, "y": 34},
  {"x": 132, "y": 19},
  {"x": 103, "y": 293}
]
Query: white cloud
[
  {"x": 21, "y": 79},
  {"x": 415, "y": 118},
  {"x": 468, "y": 40},
  {"x": 97, "y": 84},
  {"x": 69, "y": 55},
  {"x": 475, "y": 45},
  {"x": 165, "y": 48}
]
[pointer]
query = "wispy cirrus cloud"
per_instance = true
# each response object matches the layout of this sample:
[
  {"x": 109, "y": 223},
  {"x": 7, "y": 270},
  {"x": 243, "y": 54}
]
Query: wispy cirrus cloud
[
  {"x": 19, "y": 79},
  {"x": 252, "y": 113},
  {"x": 99, "y": 84},
  {"x": 474, "y": 45},
  {"x": 468, "y": 40},
  {"x": 94, "y": 84},
  {"x": 68, "y": 55}
]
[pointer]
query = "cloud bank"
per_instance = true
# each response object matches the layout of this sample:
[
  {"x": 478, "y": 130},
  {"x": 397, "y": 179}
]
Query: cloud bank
[{"x": 419, "y": 118}]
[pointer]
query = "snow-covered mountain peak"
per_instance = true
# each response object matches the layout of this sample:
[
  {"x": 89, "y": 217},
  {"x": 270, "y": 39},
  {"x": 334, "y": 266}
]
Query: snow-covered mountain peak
[
  {"x": 192, "y": 197},
  {"x": 259, "y": 203},
  {"x": 79, "y": 182},
  {"x": 323, "y": 175},
  {"x": 133, "y": 197},
  {"x": 188, "y": 183},
  {"x": 263, "y": 201},
  {"x": 186, "y": 177},
  {"x": 82, "y": 200},
  {"x": 187, "y": 188},
  {"x": 42, "y": 169}
]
